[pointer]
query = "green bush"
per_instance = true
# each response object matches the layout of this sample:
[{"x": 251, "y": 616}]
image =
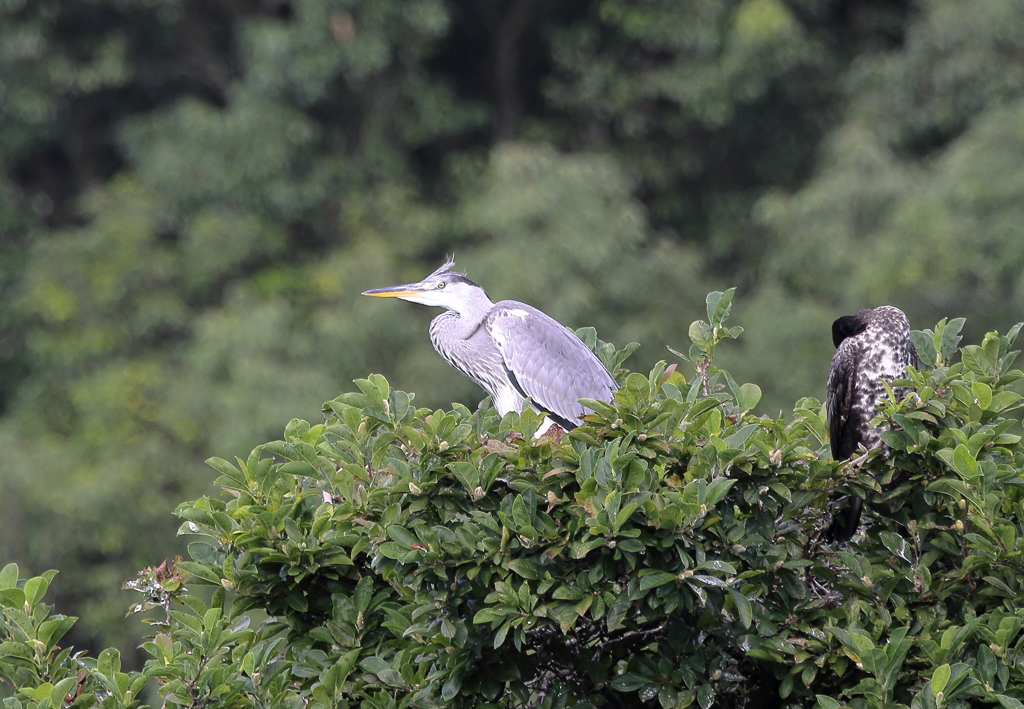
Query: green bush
[{"x": 668, "y": 553}]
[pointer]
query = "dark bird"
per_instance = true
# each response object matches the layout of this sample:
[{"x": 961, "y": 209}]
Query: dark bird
[
  {"x": 872, "y": 347},
  {"x": 511, "y": 349}
]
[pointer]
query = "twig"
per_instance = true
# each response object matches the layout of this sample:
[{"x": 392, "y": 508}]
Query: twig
[{"x": 626, "y": 637}]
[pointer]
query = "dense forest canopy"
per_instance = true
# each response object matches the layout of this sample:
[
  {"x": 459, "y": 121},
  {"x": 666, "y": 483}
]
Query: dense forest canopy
[{"x": 192, "y": 195}]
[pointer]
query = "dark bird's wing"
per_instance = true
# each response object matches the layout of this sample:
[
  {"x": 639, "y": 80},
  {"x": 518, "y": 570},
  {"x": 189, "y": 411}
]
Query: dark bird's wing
[
  {"x": 843, "y": 420},
  {"x": 547, "y": 362},
  {"x": 844, "y": 432},
  {"x": 912, "y": 360}
]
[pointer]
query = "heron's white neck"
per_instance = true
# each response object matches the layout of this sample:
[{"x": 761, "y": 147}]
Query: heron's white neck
[{"x": 467, "y": 312}]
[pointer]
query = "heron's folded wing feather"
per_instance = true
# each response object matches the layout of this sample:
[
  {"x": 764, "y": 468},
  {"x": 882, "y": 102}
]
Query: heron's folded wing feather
[{"x": 547, "y": 361}]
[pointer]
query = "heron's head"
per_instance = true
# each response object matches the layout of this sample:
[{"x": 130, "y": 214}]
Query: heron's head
[{"x": 443, "y": 288}]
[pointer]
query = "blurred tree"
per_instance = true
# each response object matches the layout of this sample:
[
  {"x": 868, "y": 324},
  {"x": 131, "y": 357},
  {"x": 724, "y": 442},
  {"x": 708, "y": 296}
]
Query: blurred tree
[
  {"x": 917, "y": 198},
  {"x": 193, "y": 194},
  {"x": 69, "y": 74}
]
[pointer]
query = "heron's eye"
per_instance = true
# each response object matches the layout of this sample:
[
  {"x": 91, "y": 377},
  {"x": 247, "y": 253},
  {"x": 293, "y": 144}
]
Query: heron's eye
[{"x": 440, "y": 285}]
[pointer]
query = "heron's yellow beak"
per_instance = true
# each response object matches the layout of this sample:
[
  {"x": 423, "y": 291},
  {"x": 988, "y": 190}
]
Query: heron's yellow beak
[{"x": 394, "y": 291}]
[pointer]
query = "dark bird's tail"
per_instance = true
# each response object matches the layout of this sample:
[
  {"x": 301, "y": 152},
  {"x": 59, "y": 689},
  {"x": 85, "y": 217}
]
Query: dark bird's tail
[{"x": 845, "y": 522}]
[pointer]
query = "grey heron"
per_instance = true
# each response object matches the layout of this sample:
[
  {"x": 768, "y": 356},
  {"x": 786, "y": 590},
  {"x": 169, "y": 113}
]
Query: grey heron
[
  {"x": 872, "y": 347},
  {"x": 510, "y": 349}
]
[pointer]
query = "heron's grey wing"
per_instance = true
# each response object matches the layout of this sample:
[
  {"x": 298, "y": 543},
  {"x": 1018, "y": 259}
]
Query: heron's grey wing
[
  {"x": 546, "y": 361},
  {"x": 839, "y": 401}
]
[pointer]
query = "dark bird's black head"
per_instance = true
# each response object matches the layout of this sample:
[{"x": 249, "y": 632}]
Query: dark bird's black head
[{"x": 850, "y": 325}]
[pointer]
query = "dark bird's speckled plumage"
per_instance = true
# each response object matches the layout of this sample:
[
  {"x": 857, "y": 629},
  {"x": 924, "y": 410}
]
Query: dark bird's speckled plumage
[{"x": 872, "y": 347}]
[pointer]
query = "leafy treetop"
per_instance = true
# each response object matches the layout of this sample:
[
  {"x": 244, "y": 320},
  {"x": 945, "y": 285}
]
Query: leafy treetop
[{"x": 669, "y": 552}]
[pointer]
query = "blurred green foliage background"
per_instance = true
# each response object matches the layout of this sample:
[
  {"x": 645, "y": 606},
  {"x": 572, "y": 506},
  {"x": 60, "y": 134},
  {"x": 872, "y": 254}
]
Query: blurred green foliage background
[{"x": 194, "y": 192}]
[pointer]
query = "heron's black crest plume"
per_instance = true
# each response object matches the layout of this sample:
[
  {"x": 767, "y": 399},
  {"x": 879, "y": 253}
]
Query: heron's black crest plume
[{"x": 446, "y": 269}]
